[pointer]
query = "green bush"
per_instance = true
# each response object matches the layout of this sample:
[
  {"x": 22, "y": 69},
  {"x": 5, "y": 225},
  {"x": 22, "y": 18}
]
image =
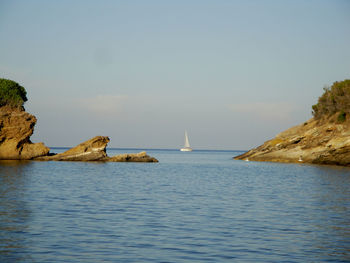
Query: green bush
[
  {"x": 334, "y": 99},
  {"x": 11, "y": 93}
]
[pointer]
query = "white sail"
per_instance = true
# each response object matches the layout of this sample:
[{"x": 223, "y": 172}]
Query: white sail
[{"x": 187, "y": 144}]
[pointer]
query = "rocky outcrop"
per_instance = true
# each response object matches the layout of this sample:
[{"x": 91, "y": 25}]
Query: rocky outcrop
[
  {"x": 141, "y": 157},
  {"x": 321, "y": 141},
  {"x": 90, "y": 150},
  {"x": 16, "y": 127},
  {"x": 94, "y": 150}
]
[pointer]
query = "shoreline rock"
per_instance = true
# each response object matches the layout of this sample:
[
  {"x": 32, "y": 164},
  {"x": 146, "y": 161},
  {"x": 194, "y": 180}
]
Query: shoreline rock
[
  {"x": 94, "y": 150},
  {"x": 316, "y": 141},
  {"x": 140, "y": 157},
  {"x": 16, "y": 127},
  {"x": 90, "y": 150}
]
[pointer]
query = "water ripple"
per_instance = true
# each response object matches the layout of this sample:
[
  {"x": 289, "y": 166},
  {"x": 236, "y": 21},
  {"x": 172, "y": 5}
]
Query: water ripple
[{"x": 202, "y": 207}]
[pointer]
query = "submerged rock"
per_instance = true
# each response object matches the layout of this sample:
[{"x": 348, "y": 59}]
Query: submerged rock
[
  {"x": 133, "y": 157},
  {"x": 323, "y": 141},
  {"x": 16, "y": 127}
]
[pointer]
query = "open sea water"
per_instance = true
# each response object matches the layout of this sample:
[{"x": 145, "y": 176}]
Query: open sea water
[{"x": 200, "y": 206}]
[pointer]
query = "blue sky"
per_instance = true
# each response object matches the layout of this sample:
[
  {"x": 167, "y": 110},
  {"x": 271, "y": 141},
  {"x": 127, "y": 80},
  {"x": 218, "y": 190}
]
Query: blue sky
[{"x": 233, "y": 73}]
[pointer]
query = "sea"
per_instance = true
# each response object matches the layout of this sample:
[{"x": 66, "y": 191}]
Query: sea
[{"x": 199, "y": 206}]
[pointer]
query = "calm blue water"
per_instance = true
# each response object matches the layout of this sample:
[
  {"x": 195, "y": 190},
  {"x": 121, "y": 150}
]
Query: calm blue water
[{"x": 191, "y": 207}]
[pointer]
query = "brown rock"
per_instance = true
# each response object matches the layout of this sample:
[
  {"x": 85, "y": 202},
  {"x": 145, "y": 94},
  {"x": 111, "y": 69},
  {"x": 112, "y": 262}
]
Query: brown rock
[
  {"x": 132, "y": 157},
  {"x": 95, "y": 150},
  {"x": 90, "y": 150},
  {"x": 316, "y": 141},
  {"x": 16, "y": 127}
]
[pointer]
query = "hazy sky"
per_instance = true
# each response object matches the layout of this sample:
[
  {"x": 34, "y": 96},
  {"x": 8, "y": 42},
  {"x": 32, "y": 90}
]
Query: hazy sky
[{"x": 233, "y": 73}]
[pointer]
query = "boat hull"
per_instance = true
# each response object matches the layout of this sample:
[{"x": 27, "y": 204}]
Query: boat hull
[{"x": 186, "y": 150}]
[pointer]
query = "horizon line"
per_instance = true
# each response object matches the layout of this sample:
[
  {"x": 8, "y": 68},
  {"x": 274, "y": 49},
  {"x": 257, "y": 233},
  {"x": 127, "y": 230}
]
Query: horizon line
[{"x": 145, "y": 148}]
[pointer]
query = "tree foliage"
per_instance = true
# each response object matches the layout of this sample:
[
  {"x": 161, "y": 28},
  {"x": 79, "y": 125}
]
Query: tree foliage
[
  {"x": 335, "y": 99},
  {"x": 11, "y": 93}
]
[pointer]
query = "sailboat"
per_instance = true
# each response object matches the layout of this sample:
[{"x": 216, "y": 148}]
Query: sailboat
[{"x": 187, "y": 147}]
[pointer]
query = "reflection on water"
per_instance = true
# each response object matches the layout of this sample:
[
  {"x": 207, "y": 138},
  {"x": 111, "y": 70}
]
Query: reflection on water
[
  {"x": 332, "y": 199},
  {"x": 14, "y": 212}
]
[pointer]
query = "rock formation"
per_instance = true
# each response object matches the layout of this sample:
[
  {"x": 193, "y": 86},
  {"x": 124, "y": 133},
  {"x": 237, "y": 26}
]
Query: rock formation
[
  {"x": 133, "y": 157},
  {"x": 322, "y": 141},
  {"x": 16, "y": 127},
  {"x": 90, "y": 150},
  {"x": 95, "y": 150}
]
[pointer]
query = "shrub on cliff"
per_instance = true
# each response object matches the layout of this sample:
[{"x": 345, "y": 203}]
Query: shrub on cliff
[
  {"x": 334, "y": 99},
  {"x": 11, "y": 93}
]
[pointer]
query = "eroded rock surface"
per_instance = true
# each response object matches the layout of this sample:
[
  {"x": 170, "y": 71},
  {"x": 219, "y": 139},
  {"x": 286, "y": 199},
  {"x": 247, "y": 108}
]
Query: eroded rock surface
[
  {"x": 94, "y": 150},
  {"x": 316, "y": 141},
  {"x": 90, "y": 150},
  {"x": 16, "y": 127}
]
